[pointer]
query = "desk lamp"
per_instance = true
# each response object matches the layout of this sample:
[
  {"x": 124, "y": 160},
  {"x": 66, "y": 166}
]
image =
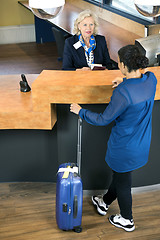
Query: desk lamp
[{"x": 46, "y": 9}]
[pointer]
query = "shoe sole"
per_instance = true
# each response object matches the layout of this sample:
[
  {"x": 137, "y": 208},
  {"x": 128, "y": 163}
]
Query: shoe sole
[
  {"x": 98, "y": 209},
  {"x": 119, "y": 226}
]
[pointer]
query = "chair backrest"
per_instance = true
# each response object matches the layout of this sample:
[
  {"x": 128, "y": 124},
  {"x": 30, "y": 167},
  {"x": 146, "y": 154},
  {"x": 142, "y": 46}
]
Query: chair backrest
[
  {"x": 60, "y": 37},
  {"x": 60, "y": 40}
]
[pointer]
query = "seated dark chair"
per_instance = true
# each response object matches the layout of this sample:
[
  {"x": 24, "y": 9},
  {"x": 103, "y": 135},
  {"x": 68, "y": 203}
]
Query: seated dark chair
[{"x": 60, "y": 37}]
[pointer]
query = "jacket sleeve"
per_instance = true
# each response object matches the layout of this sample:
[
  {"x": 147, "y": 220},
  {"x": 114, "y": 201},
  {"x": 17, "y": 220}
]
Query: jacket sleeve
[
  {"x": 115, "y": 108},
  {"x": 107, "y": 62},
  {"x": 68, "y": 63}
]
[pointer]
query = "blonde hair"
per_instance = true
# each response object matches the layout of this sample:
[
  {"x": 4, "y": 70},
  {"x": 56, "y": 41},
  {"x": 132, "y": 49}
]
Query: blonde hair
[{"x": 81, "y": 17}]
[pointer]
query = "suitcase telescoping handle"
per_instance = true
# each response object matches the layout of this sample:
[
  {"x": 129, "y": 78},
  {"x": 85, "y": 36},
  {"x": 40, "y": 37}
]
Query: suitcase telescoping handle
[{"x": 79, "y": 151}]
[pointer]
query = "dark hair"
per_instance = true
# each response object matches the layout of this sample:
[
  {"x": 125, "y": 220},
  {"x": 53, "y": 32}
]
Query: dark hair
[{"x": 133, "y": 58}]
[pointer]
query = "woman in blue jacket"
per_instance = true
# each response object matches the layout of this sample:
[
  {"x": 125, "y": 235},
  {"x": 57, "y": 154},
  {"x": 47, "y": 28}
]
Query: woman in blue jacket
[
  {"x": 85, "y": 47},
  {"x": 129, "y": 143}
]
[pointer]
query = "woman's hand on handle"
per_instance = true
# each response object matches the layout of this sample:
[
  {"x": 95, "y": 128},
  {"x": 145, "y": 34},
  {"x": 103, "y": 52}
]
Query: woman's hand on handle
[{"x": 75, "y": 108}]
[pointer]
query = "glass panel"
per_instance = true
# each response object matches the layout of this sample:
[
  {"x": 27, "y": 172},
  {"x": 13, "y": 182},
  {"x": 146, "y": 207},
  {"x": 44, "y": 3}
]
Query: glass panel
[
  {"x": 126, "y": 6},
  {"x": 129, "y": 7}
]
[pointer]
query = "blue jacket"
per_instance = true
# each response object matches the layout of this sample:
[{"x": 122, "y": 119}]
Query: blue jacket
[
  {"x": 75, "y": 58},
  {"x": 131, "y": 108}
]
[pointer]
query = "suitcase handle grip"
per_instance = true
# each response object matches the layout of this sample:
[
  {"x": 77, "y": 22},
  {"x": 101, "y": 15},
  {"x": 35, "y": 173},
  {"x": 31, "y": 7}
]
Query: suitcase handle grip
[{"x": 75, "y": 206}]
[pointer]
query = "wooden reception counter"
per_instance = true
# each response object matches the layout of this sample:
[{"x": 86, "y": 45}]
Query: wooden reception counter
[
  {"x": 28, "y": 153},
  {"x": 37, "y": 109}
]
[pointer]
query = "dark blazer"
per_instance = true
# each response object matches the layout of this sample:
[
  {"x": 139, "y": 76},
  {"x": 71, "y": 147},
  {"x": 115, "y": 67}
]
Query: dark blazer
[{"x": 75, "y": 58}]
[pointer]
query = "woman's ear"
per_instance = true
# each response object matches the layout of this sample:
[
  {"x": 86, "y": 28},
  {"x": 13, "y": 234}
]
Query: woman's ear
[{"x": 122, "y": 65}]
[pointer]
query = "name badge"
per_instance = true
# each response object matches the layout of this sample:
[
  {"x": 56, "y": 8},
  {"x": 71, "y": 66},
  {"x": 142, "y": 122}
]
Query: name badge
[{"x": 77, "y": 45}]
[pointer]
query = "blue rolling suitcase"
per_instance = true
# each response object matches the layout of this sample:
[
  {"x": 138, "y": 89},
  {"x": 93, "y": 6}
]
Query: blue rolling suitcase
[{"x": 69, "y": 192}]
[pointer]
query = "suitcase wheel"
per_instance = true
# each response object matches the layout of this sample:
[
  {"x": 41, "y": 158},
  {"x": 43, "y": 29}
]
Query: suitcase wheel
[{"x": 78, "y": 229}]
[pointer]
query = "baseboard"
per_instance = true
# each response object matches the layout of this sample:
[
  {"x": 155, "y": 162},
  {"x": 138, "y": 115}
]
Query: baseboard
[
  {"x": 17, "y": 34},
  {"x": 135, "y": 190}
]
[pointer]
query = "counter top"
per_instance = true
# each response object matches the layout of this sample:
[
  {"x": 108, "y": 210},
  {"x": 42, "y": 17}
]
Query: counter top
[
  {"x": 37, "y": 109},
  {"x": 16, "y": 110},
  {"x": 65, "y": 87}
]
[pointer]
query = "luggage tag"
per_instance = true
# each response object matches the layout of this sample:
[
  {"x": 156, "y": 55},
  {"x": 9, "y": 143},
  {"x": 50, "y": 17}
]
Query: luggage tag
[
  {"x": 67, "y": 170},
  {"x": 66, "y": 173}
]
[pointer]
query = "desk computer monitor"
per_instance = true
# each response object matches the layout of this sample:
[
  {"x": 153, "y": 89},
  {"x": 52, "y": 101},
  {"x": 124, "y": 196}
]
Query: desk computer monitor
[{"x": 150, "y": 46}]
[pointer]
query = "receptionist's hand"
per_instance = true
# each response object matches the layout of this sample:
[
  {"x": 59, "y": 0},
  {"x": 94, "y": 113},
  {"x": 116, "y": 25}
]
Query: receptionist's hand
[{"x": 83, "y": 69}]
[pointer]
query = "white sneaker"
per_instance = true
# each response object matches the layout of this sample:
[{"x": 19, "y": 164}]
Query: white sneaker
[
  {"x": 120, "y": 222},
  {"x": 100, "y": 204}
]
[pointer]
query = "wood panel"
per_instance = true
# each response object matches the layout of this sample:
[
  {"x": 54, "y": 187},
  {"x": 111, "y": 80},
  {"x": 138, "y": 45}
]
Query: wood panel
[
  {"x": 83, "y": 87},
  {"x": 27, "y": 211},
  {"x": 72, "y": 86},
  {"x": 153, "y": 29},
  {"x": 37, "y": 110},
  {"x": 16, "y": 107}
]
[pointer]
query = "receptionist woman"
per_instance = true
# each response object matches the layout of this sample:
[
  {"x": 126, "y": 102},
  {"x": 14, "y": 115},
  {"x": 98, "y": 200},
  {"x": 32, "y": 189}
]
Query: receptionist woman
[{"x": 86, "y": 47}]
